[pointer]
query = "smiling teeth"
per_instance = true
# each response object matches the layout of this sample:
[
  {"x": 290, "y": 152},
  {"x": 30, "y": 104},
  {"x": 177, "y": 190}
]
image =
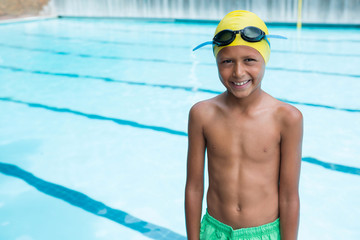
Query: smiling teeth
[{"x": 241, "y": 83}]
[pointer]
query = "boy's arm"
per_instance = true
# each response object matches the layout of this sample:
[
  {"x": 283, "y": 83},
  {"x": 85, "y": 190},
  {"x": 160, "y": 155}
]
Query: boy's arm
[
  {"x": 195, "y": 174},
  {"x": 291, "y": 144}
]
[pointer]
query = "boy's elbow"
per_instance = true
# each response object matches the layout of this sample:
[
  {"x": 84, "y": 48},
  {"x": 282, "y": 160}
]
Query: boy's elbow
[
  {"x": 194, "y": 188},
  {"x": 289, "y": 201},
  {"x": 193, "y": 195}
]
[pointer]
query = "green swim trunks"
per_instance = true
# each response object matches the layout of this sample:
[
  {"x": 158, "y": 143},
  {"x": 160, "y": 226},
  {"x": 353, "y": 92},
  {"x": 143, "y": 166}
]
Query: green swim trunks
[{"x": 212, "y": 229}]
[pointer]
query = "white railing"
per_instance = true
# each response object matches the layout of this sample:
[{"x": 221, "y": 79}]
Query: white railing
[{"x": 313, "y": 11}]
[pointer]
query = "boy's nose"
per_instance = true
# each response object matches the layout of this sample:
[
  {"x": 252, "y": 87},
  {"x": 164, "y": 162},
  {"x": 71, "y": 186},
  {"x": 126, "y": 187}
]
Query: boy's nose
[{"x": 239, "y": 71}]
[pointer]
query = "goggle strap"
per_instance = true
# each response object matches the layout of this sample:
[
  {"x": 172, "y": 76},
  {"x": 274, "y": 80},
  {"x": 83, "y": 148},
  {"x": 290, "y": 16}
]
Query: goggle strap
[
  {"x": 276, "y": 36},
  {"x": 203, "y": 44},
  {"x": 266, "y": 36}
]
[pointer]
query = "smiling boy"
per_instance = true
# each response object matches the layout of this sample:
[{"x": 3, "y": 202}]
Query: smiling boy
[{"x": 253, "y": 143}]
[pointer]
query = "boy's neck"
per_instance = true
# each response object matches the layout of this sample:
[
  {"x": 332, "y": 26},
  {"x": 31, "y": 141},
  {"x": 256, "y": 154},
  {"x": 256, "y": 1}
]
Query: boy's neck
[{"x": 244, "y": 104}]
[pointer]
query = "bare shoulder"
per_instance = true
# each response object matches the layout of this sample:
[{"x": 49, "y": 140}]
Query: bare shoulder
[
  {"x": 285, "y": 113},
  {"x": 204, "y": 109},
  {"x": 288, "y": 115}
]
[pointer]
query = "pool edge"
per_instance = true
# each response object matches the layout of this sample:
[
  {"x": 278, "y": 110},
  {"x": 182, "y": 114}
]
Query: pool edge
[{"x": 27, "y": 19}]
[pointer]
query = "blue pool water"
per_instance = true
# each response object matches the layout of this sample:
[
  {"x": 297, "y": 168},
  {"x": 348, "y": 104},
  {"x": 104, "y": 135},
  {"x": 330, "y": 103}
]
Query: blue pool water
[{"x": 94, "y": 121}]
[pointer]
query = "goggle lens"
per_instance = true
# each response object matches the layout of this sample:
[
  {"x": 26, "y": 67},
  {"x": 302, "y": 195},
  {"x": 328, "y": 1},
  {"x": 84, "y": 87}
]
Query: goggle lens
[
  {"x": 224, "y": 37},
  {"x": 252, "y": 34}
]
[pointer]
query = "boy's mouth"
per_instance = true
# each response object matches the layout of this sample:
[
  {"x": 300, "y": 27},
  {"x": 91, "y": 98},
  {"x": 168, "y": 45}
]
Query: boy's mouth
[{"x": 238, "y": 84}]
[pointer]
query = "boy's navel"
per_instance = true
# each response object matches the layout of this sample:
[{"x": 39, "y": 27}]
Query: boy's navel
[{"x": 238, "y": 208}]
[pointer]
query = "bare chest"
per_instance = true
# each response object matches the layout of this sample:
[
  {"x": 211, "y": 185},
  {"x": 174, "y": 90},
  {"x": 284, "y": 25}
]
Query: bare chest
[{"x": 247, "y": 138}]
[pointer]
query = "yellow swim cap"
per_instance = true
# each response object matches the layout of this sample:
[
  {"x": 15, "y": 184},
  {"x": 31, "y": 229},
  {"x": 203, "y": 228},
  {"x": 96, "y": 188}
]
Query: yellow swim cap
[{"x": 240, "y": 19}]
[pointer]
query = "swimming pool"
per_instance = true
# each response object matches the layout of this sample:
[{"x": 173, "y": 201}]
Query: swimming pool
[{"x": 94, "y": 117}]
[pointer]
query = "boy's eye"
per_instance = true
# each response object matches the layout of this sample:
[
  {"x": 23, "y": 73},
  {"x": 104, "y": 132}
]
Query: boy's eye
[
  {"x": 250, "y": 60},
  {"x": 227, "y": 61}
]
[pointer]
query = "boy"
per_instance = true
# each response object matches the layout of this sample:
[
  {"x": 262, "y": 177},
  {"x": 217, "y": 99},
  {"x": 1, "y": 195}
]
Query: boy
[{"x": 253, "y": 144}]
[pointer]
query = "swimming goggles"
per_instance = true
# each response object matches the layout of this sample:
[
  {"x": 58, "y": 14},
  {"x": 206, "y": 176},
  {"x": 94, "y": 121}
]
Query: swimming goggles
[{"x": 249, "y": 34}]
